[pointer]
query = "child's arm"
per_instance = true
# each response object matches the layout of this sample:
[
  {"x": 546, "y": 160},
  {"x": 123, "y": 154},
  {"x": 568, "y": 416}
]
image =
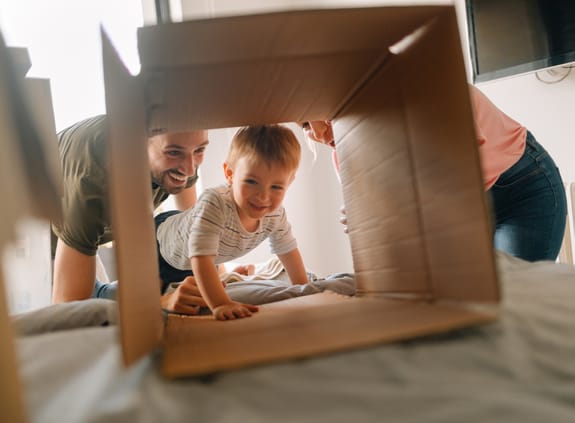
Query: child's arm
[
  {"x": 293, "y": 263},
  {"x": 214, "y": 293}
]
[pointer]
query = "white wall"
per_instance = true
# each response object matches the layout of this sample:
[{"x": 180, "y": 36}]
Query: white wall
[
  {"x": 547, "y": 110},
  {"x": 63, "y": 39}
]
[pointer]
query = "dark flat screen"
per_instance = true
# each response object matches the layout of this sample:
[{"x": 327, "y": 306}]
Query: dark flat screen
[{"x": 509, "y": 37}]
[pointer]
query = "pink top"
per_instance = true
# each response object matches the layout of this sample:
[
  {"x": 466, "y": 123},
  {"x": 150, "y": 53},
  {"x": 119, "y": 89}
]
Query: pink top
[{"x": 501, "y": 139}]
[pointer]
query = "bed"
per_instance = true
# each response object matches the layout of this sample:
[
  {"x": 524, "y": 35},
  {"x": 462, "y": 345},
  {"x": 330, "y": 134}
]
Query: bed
[{"x": 519, "y": 368}]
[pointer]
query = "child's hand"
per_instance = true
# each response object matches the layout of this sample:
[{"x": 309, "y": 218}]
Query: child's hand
[{"x": 234, "y": 310}]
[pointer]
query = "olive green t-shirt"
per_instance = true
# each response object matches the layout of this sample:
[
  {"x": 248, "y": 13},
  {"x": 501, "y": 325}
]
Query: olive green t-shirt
[{"x": 86, "y": 207}]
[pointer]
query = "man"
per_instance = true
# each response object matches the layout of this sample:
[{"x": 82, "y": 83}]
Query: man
[{"x": 174, "y": 159}]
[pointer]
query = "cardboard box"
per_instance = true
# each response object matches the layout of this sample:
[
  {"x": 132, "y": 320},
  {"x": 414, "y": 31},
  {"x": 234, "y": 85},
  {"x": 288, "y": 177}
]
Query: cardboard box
[
  {"x": 419, "y": 228},
  {"x": 30, "y": 171}
]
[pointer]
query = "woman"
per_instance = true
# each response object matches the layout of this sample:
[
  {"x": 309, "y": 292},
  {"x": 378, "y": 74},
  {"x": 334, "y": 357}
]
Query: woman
[{"x": 524, "y": 185}]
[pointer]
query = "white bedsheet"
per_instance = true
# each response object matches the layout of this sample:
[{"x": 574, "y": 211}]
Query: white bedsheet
[{"x": 518, "y": 369}]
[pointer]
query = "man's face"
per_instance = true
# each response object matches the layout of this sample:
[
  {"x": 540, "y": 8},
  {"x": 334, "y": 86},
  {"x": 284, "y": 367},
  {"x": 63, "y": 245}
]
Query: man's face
[{"x": 174, "y": 157}]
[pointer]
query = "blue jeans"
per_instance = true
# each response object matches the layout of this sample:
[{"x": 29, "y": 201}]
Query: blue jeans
[
  {"x": 108, "y": 291},
  {"x": 529, "y": 206}
]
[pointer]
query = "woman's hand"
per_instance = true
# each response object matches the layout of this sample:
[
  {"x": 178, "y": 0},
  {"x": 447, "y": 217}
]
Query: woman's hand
[
  {"x": 320, "y": 131},
  {"x": 343, "y": 219}
]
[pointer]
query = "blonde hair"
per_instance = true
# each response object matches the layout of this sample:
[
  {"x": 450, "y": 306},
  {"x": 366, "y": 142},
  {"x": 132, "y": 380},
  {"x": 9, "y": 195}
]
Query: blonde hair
[{"x": 271, "y": 144}]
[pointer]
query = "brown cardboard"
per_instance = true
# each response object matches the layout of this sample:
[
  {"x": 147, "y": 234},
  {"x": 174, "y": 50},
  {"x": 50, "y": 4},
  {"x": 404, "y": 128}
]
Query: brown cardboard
[
  {"x": 20, "y": 59},
  {"x": 299, "y": 327},
  {"x": 135, "y": 242},
  {"x": 11, "y": 398},
  {"x": 27, "y": 162},
  {"x": 412, "y": 185},
  {"x": 30, "y": 110},
  {"x": 11, "y": 394}
]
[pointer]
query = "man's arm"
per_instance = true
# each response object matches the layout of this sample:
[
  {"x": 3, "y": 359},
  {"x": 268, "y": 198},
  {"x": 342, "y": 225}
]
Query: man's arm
[
  {"x": 185, "y": 299},
  {"x": 74, "y": 274},
  {"x": 186, "y": 199},
  {"x": 293, "y": 263}
]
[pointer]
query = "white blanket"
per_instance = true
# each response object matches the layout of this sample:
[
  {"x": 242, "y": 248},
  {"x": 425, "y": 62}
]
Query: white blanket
[{"x": 518, "y": 369}]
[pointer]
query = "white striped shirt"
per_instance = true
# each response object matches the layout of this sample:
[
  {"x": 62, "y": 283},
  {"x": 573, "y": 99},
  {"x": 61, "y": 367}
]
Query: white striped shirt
[{"x": 213, "y": 228}]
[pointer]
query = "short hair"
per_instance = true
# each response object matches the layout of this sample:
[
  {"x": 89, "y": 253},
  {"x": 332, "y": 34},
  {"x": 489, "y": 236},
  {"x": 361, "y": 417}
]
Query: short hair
[{"x": 272, "y": 144}]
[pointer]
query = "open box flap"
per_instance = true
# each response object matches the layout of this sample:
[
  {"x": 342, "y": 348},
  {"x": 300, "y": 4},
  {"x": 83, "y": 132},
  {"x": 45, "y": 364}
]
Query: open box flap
[
  {"x": 449, "y": 183},
  {"x": 277, "y": 67},
  {"x": 11, "y": 393},
  {"x": 299, "y": 327},
  {"x": 20, "y": 59},
  {"x": 11, "y": 161},
  {"x": 419, "y": 224},
  {"x": 39, "y": 104},
  {"x": 31, "y": 190},
  {"x": 33, "y": 144},
  {"x": 11, "y": 398},
  {"x": 131, "y": 209}
]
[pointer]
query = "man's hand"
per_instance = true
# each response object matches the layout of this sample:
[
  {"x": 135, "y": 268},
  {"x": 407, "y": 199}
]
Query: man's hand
[
  {"x": 234, "y": 310},
  {"x": 186, "y": 299}
]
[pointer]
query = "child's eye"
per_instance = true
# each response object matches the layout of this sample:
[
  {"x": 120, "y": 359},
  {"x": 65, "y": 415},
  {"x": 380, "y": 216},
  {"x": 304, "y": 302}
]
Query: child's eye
[
  {"x": 250, "y": 181},
  {"x": 277, "y": 187}
]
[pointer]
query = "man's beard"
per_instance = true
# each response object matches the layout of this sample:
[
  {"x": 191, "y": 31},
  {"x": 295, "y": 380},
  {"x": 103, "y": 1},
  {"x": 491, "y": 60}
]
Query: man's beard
[{"x": 165, "y": 182}]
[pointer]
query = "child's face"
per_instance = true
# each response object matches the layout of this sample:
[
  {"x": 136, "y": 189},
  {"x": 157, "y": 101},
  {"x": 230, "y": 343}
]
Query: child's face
[{"x": 257, "y": 189}]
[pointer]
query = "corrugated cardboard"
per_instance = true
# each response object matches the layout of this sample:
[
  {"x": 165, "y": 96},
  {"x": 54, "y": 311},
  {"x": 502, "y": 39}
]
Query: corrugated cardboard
[{"x": 419, "y": 230}]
